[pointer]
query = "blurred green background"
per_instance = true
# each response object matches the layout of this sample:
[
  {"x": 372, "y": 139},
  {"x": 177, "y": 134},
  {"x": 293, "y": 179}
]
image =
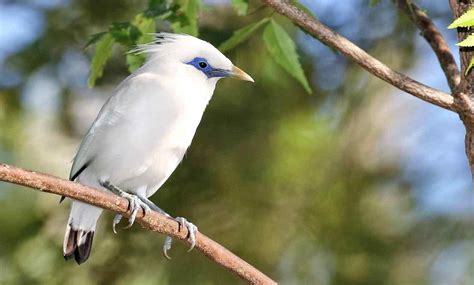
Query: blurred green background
[{"x": 355, "y": 184}]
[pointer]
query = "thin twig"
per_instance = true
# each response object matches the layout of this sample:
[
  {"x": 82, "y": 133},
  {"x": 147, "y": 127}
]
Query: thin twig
[
  {"x": 435, "y": 39},
  {"x": 371, "y": 64},
  {"x": 152, "y": 221}
]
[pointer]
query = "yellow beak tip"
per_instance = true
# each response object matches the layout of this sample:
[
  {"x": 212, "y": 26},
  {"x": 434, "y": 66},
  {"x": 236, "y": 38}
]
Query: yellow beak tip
[{"x": 240, "y": 74}]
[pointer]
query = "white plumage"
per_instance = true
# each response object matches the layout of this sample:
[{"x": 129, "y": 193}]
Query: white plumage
[{"x": 143, "y": 131}]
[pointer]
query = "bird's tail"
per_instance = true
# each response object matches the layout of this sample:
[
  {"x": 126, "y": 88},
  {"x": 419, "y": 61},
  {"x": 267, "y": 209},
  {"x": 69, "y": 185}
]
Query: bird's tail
[{"x": 80, "y": 231}]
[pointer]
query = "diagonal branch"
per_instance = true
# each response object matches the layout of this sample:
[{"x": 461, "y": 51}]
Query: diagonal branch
[
  {"x": 153, "y": 221},
  {"x": 435, "y": 39},
  {"x": 368, "y": 62}
]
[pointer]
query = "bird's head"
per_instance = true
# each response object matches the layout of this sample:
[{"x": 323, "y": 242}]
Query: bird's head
[{"x": 191, "y": 56}]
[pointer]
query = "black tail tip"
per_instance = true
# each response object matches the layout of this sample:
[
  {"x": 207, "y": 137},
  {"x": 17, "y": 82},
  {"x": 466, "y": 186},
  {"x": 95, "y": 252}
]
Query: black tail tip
[{"x": 77, "y": 244}]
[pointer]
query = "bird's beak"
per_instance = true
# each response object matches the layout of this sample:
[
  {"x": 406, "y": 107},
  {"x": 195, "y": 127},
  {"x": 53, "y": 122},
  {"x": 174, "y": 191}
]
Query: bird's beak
[{"x": 240, "y": 74}]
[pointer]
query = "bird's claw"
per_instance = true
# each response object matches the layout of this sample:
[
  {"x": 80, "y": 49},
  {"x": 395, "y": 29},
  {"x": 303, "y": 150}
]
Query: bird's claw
[
  {"x": 134, "y": 204},
  {"x": 116, "y": 220},
  {"x": 167, "y": 246},
  {"x": 192, "y": 230}
]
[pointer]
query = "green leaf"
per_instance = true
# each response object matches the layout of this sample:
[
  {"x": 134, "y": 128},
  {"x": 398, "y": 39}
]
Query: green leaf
[
  {"x": 134, "y": 61},
  {"x": 185, "y": 21},
  {"x": 94, "y": 38},
  {"x": 241, "y": 35},
  {"x": 103, "y": 51},
  {"x": 283, "y": 49},
  {"x": 471, "y": 64},
  {"x": 125, "y": 33},
  {"x": 467, "y": 42},
  {"x": 241, "y": 6},
  {"x": 466, "y": 20},
  {"x": 157, "y": 7},
  {"x": 147, "y": 26}
]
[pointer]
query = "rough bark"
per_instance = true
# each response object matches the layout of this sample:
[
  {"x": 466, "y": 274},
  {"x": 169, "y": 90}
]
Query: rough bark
[
  {"x": 153, "y": 221},
  {"x": 464, "y": 95}
]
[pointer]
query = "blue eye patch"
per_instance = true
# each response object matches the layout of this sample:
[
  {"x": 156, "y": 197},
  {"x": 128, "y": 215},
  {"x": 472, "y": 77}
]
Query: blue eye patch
[{"x": 203, "y": 65}]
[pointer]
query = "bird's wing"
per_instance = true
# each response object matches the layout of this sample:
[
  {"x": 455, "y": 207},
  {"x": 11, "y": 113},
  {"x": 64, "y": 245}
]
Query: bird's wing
[
  {"x": 110, "y": 115},
  {"x": 142, "y": 132}
]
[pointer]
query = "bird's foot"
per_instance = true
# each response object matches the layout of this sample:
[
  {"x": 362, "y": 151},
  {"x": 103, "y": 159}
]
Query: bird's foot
[
  {"x": 192, "y": 230},
  {"x": 134, "y": 204}
]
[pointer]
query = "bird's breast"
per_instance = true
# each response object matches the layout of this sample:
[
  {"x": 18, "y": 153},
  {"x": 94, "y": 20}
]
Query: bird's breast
[{"x": 173, "y": 138}]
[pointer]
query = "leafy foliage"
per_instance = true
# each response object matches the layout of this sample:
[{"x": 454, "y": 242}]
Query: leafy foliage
[
  {"x": 183, "y": 17},
  {"x": 471, "y": 64},
  {"x": 94, "y": 39},
  {"x": 464, "y": 21},
  {"x": 182, "y": 14},
  {"x": 242, "y": 35},
  {"x": 157, "y": 8},
  {"x": 283, "y": 49},
  {"x": 184, "y": 20},
  {"x": 467, "y": 42},
  {"x": 134, "y": 61},
  {"x": 103, "y": 51},
  {"x": 146, "y": 26},
  {"x": 241, "y": 6},
  {"x": 124, "y": 33}
]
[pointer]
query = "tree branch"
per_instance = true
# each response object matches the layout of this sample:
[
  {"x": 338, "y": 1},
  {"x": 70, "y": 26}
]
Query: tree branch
[
  {"x": 464, "y": 96},
  {"x": 371, "y": 64},
  {"x": 435, "y": 39},
  {"x": 153, "y": 221}
]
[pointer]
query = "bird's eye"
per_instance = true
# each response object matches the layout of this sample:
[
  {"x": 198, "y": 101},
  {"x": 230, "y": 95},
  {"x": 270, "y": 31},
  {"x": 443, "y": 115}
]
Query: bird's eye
[{"x": 202, "y": 64}]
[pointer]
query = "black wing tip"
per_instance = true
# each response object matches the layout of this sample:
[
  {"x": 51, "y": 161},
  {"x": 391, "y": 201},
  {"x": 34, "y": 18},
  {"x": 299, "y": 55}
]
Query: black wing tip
[
  {"x": 72, "y": 248},
  {"x": 73, "y": 176},
  {"x": 62, "y": 199}
]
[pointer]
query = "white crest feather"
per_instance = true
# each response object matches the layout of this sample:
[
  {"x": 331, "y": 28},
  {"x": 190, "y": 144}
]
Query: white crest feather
[
  {"x": 180, "y": 47},
  {"x": 154, "y": 46}
]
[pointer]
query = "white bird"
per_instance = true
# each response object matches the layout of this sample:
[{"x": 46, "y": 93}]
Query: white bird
[{"x": 143, "y": 131}]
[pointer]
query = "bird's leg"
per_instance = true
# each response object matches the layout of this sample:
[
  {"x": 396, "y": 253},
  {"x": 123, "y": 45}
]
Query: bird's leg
[
  {"x": 153, "y": 206},
  {"x": 134, "y": 204},
  {"x": 137, "y": 201},
  {"x": 182, "y": 222}
]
